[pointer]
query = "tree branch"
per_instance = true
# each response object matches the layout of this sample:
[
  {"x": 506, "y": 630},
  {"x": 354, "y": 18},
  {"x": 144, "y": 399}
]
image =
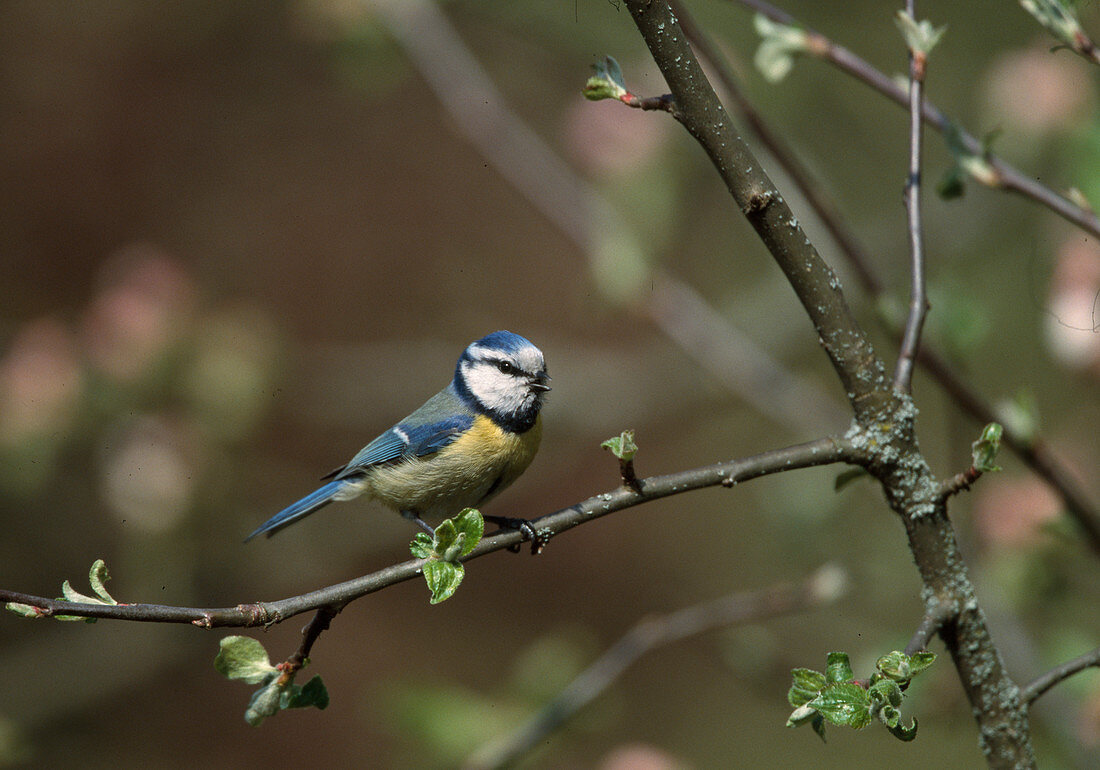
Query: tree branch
[
  {"x": 1034, "y": 452},
  {"x": 934, "y": 618},
  {"x": 918, "y": 301},
  {"x": 817, "y": 287},
  {"x": 825, "y": 585},
  {"x": 1001, "y": 175},
  {"x": 885, "y": 419},
  {"x": 331, "y": 598},
  {"x": 1035, "y": 690}
]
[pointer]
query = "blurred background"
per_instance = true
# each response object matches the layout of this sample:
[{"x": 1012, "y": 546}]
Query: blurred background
[{"x": 241, "y": 239}]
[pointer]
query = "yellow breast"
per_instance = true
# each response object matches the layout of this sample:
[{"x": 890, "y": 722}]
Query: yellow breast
[{"x": 467, "y": 473}]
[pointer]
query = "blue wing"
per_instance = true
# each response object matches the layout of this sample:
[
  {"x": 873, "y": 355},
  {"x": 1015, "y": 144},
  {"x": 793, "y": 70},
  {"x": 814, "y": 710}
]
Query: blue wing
[
  {"x": 407, "y": 441},
  {"x": 442, "y": 419},
  {"x": 427, "y": 430}
]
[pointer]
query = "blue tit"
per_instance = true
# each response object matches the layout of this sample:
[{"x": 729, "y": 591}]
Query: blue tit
[{"x": 465, "y": 445}]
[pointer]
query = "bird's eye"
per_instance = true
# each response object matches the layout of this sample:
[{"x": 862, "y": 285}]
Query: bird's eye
[{"x": 505, "y": 367}]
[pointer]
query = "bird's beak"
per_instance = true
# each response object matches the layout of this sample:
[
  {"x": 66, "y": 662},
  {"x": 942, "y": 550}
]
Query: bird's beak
[{"x": 539, "y": 382}]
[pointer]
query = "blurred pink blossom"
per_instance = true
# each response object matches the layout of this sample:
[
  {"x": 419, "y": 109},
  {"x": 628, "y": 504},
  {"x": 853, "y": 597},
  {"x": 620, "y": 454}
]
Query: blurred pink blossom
[
  {"x": 608, "y": 138},
  {"x": 40, "y": 382},
  {"x": 1011, "y": 512},
  {"x": 149, "y": 474},
  {"x": 139, "y": 314},
  {"x": 639, "y": 756},
  {"x": 1073, "y": 326},
  {"x": 1036, "y": 90}
]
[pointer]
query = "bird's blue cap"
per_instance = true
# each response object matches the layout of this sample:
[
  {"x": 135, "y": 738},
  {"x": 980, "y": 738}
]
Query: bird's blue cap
[{"x": 509, "y": 342}]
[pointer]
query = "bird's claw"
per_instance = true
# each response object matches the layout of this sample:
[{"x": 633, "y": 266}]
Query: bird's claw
[{"x": 524, "y": 527}]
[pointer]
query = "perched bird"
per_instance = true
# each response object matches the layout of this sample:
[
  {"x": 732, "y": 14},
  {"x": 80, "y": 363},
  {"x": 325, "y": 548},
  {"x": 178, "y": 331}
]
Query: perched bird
[{"x": 463, "y": 446}]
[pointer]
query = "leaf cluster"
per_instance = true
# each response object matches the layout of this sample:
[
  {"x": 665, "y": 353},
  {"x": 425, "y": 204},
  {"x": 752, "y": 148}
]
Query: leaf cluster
[{"x": 836, "y": 696}]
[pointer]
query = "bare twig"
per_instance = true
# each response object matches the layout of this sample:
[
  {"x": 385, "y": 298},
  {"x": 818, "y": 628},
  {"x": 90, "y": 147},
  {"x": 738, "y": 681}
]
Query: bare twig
[
  {"x": 826, "y": 585},
  {"x": 1036, "y": 689},
  {"x": 821, "y": 452},
  {"x": 918, "y": 301},
  {"x": 1001, "y": 175},
  {"x": 318, "y": 625},
  {"x": 960, "y": 482},
  {"x": 1032, "y": 450},
  {"x": 934, "y": 618}
]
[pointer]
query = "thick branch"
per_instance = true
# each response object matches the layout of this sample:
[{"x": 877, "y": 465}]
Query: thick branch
[
  {"x": 727, "y": 474},
  {"x": 1033, "y": 451},
  {"x": 815, "y": 284}
]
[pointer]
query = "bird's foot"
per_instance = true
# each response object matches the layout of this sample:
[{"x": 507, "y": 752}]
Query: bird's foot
[
  {"x": 420, "y": 523},
  {"x": 538, "y": 540}
]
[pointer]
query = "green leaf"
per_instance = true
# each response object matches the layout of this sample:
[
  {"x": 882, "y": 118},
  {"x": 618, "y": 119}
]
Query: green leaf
[
  {"x": 26, "y": 610},
  {"x": 895, "y": 666},
  {"x": 885, "y": 692},
  {"x": 471, "y": 525},
  {"x": 1057, "y": 18},
  {"x": 312, "y": 693},
  {"x": 97, "y": 577},
  {"x": 778, "y": 46},
  {"x": 70, "y": 594},
  {"x": 801, "y": 715},
  {"x": 922, "y": 660},
  {"x": 264, "y": 703},
  {"x": 967, "y": 164},
  {"x": 903, "y": 733},
  {"x": 244, "y": 658},
  {"x": 454, "y": 538},
  {"x": 818, "y": 724},
  {"x": 845, "y": 704},
  {"x": 622, "y": 446},
  {"x": 952, "y": 184},
  {"x": 806, "y": 684},
  {"x": 607, "y": 83},
  {"x": 838, "y": 668},
  {"x": 445, "y": 536},
  {"x": 920, "y": 37},
  {"x": 986, "y": 447},
  {"x": 443, "y": 578},
  {"x": 421, "y": 545}
]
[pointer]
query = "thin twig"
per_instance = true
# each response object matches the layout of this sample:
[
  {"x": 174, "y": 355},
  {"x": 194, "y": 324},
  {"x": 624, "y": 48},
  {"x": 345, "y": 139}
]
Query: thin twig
[
  {"x": 1001, "y": 175},
  {"x": 938, "y": 614},
  {"x": 960, "y": 482},
  {"x": 826, "y": 585},
  {"x": 1036, "y": 689},
  {"x": 820, "y": 452},
  {"x": 918, "y": 301},
  {"x": 1035, "y": 453},
  {"x": 318, "y": 625}
]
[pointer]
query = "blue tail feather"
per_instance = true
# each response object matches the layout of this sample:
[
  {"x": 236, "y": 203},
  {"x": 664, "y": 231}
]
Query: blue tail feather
[{"x": 299, "y": 510}]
